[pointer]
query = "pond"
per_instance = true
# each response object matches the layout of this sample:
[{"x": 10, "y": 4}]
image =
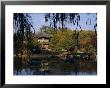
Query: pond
[{"x": 54, "y": 66}]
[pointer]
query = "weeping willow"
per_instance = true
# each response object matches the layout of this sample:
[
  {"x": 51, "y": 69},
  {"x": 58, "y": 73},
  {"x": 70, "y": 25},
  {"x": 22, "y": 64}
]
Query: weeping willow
[
  {"x": 61, "y": 20},
  {"x": 22, "y": 35}
]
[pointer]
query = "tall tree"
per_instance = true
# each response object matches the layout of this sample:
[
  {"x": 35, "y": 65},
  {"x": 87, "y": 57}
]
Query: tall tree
[{"x": 22, "y": 34}]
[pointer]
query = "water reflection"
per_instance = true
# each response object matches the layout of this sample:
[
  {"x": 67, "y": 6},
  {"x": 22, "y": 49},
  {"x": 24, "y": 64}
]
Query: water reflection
[{"x": 54, "y": 66}]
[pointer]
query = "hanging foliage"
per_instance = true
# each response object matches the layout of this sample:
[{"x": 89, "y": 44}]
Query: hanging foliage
[
  {"x": 22, "y": 34},
  {"x": 61, "y": 20}
]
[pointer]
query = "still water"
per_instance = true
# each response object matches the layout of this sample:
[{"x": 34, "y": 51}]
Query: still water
[
  {"x": 54, "y": 66},
  {"x": 33, "y": 72}
]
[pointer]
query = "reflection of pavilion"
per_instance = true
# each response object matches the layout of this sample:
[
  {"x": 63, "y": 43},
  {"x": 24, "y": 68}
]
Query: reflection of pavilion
[
  {"x": 44, "y": 66},
  {"x": 43, "y": 39}
]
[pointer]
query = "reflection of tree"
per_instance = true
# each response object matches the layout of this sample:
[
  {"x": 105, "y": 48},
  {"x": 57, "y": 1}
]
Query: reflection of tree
[
  {"x": 22, "y": 35},
  {"x": 61, "y": 20},
  {"x": 62, "y": 38}
]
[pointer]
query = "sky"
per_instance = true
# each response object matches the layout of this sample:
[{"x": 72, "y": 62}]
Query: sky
[{"x": 38, "y": 20}]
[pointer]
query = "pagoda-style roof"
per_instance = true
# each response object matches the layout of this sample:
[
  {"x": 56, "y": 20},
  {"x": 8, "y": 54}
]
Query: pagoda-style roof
[{"x": 42, "y": 35}]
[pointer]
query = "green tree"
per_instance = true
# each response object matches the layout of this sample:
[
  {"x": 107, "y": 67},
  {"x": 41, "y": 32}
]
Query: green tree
[
  {"x": 62, "y": 40},
  {"x": 61, "y": 20}
]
